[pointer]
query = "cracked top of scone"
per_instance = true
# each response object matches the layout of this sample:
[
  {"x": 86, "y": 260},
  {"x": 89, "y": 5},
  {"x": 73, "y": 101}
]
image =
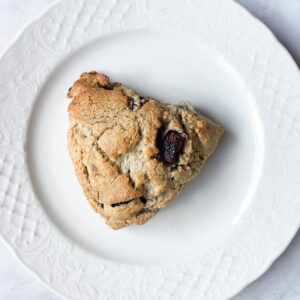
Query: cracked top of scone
[{"x": 133, "y": 154}]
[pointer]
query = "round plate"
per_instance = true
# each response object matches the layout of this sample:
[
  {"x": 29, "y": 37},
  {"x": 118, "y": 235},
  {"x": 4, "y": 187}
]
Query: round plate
[{"x": 231, "y": 222}]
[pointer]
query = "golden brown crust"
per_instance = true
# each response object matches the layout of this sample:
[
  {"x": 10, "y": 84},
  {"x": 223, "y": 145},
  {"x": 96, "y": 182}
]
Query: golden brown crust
[{"x": 113, "y": 145}]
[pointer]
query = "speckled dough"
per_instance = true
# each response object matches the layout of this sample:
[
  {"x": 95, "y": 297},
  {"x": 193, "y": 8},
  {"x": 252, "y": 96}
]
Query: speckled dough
[{"x": 112, "y": 141}]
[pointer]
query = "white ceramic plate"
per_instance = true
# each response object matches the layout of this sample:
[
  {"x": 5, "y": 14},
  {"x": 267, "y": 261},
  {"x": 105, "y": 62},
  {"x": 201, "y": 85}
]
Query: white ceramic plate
[{"x": 231, "y": 222}]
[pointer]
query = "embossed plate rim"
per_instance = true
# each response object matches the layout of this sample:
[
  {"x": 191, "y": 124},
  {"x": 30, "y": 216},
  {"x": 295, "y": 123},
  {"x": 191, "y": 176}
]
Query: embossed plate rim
[{"x": 86, "y": 290}]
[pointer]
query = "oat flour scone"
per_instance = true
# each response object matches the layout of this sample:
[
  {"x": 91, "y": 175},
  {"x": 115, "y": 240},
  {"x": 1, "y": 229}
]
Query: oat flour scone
[{"x": 133, "y": 154}]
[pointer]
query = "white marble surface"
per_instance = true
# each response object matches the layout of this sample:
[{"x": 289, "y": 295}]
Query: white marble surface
[{"x": 282, "y": 281}]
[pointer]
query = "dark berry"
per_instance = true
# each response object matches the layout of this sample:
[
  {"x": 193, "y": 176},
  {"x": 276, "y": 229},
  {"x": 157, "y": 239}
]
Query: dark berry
[
  {"x": 133, "y": 106},
  {"x": 136, "y": 102},
  {"x": 108, "y": 88},
  {"x": 143, "y": 199},
  {"x": 120, "y": 203},
  {"x": 172, "y": 146},
  {"x": 159, "y": 139}
]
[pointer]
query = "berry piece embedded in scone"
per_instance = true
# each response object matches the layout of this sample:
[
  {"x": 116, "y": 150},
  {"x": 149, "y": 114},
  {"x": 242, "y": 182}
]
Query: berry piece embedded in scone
[{"x": 172, "y": 146}]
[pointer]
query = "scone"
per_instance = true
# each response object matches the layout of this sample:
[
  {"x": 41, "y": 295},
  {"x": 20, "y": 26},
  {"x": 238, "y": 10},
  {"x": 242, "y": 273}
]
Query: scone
[{"x": 133, "y": 154}]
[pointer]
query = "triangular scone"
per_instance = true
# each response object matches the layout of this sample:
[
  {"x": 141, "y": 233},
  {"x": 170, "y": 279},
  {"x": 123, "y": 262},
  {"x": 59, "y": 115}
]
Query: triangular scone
[{"x": 133, "y": 154}]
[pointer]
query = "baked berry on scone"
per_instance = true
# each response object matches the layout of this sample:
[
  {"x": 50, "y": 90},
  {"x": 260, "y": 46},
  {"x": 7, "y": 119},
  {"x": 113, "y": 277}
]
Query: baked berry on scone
[{"x": 133, "y": 154}]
